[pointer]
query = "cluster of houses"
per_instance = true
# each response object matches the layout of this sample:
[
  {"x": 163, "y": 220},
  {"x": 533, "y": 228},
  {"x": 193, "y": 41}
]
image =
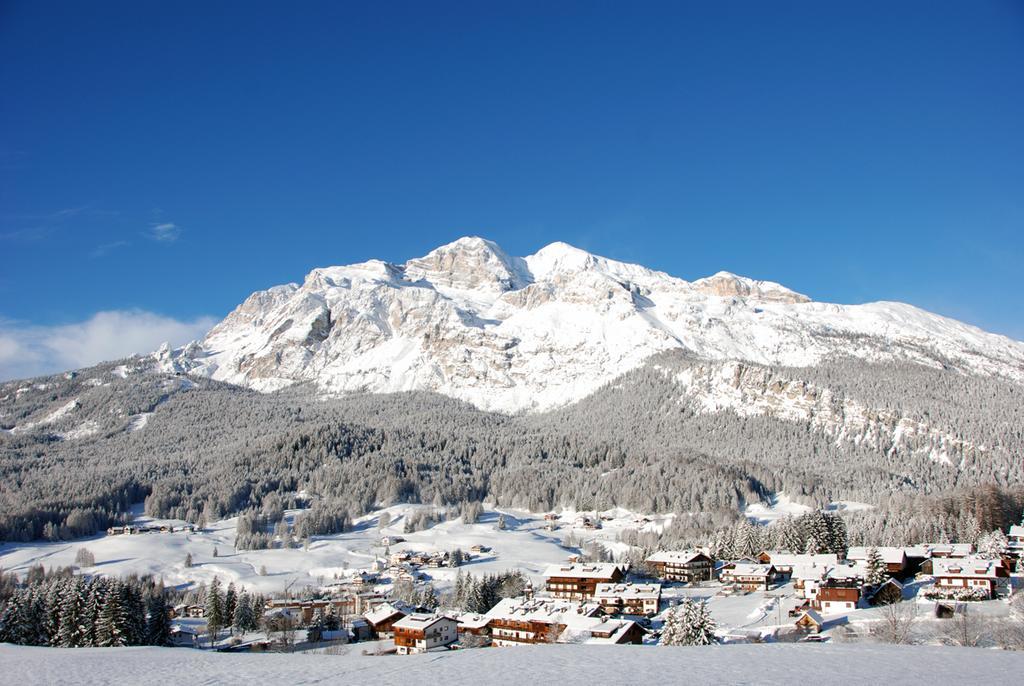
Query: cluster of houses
[
  {"x": 593, "y": 603},
  {"x": 149, "y": 529}
]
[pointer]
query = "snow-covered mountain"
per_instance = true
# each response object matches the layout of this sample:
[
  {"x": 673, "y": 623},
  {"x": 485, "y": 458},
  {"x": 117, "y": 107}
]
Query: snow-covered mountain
[{"x": 508, "y": 333}]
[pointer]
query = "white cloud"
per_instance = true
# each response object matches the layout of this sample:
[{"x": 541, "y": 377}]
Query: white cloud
[
  {"x": 32, "y": 350},
  {"x": 165, "y": 232}
]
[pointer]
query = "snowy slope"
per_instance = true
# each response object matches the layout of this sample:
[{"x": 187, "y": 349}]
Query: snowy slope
[
  {"x": 566, "y": 665},
  {"x": 508, "y": 333}
]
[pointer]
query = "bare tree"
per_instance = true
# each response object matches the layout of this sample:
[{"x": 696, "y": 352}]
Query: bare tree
[
  {"x": 964, "y": 628},
  {"x": 85, "y": 558},
  {"x": 896, "y": 624}
]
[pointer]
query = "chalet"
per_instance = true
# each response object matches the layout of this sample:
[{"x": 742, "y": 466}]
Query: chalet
[
  {"x": 476, "y": 625},
  {"x": 682, "y": 565},
  {"x": 749, "y": 577},
  {"x": 340, "y": 606},
  {"x": 785, "y": 563},
  {"x": 630, "y": 599},
  {"x": 360, "y": 629},
  {"x": 579, "y": 581},
  {"x": 987, "y": 577},
  {"x": 418, "y": 633},
  {"x": 837, "y": 596},
  {"x": 190, "y": 611},
  {"x": 184, "y": 636},
  {"x": 1016, "y": 540},
  {"x": 808, "y": 580},
  {"x": 888, "y": 593},
  {"x": 383, "y": 618},
  {"x": 956, "y": 550},
  {"x": 809, "y": 622},
  {"x": 895, "y": 558},
  {"x": 515, "y": 622}
]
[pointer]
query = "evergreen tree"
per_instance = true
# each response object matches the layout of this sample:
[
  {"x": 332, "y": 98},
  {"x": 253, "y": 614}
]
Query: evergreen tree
[
  {"x": 215, "y": 619},
  {"x": 111, "y": 627},
  {"x": 230, "y": 602},
  {"x": 671, "y": 634},
  {"x": 158, "y": 621},
  {"x": 72, "y": 632},
  {"x": 700, "y": 625},
  {"x": 242, "y": 619},
  {"x": 876, "y": 569}
]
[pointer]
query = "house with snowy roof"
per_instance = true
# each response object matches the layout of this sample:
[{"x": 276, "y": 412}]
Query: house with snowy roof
[
  {"x": 809, "y": 622},
  {"x": 1015, "y": 540},
  {"x": 786, "y": 563},
  {"x": 422, "y": 632},
  {"x": 895, "y": 558},
  {"x": 630, "y": 599},
  {"x": 383, "y": 617},
  {"x": 687, "y": 566},
  {"x": 959, "y": 576},
  {"x": 837, "y": 596},
  {"x": 749, "y": 576},
  {"x": 936, "y": 550},
  {"x": 579, "y": 580},
  {"x": 521, "y": 621}
]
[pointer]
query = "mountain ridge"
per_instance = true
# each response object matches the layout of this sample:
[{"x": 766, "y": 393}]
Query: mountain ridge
[{"x": 532, "y": 333}]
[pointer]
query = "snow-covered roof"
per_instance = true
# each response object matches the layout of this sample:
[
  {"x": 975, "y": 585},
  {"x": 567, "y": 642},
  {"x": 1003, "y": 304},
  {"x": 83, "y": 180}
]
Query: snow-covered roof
[
  {"x": 848, "y": 570},
  {"x": 890, "y": 554},
  {"x": 948, "y": 549},
  {"x": 749, "y": 570},
  {"x": 1017, "y": 530},
  {"x": 472, "y": 620},
  {"x": 420, "y": 620},
  {"x": 581, "y": 620},
  {"x": 583, "y": 570},
  {"x": 812, "y": 615},
  {"x": 382, "y": 612},
  {"x": 541, "y": 609},
  {"x": 791, "y": 560},
  {"x": 967, "y": 567},
  {"x": 679, "y": 557},
  {"x": 628, "y": 591}
]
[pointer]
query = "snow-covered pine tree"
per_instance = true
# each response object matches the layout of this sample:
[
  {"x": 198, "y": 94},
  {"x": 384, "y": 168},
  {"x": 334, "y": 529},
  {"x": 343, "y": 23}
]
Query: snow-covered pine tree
[
  {"x": 992, "y": 545},
  {"x": 792, "y": 541},
  {"x": 53, "y": 594},
  {"x": 670, "y": 633},
  {"x": 72, "y": 632},
  {"x": 241, "y": 619},
  {"x": 875, "y": 574},
  {"x": 215, "y": 619},
  {"x": 91, "y": 611},
  {"x": 158, "y": 622},
  {"x": 230, "y": 600},
  {"x": 701, "y": 627},
  {"x": 111, "y": 627},
  {"x": 134, "y": 608}
]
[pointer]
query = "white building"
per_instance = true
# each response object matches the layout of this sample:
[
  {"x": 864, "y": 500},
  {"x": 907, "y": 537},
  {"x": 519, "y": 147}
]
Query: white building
[
  {"x": 418, "y": 633},
  {"x": 630, "y": 599}
]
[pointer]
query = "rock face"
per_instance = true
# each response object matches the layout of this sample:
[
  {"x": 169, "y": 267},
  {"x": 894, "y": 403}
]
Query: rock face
[{"x": 510, "y": 334}]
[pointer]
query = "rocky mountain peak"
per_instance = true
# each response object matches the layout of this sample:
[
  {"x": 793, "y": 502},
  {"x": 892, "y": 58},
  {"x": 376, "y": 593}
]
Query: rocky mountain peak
[
  {"x": 469, "y": 263},
  {"x": 511, "y": 334}
]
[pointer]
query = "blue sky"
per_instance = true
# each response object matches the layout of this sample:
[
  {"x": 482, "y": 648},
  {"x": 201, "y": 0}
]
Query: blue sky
[{"x": 160, "y": 161}]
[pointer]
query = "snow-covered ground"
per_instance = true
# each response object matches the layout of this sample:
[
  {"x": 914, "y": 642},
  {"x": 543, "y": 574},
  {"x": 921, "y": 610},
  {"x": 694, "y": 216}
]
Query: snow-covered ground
[
  {"x": 783, "y": 506},
  {"x": 566, "y": 665},
  {"x": 525, "y": 544}
]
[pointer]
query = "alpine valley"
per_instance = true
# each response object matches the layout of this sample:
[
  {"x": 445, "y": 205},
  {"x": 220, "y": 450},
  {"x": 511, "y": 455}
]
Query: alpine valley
[{"x": 561, "y": 379}]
